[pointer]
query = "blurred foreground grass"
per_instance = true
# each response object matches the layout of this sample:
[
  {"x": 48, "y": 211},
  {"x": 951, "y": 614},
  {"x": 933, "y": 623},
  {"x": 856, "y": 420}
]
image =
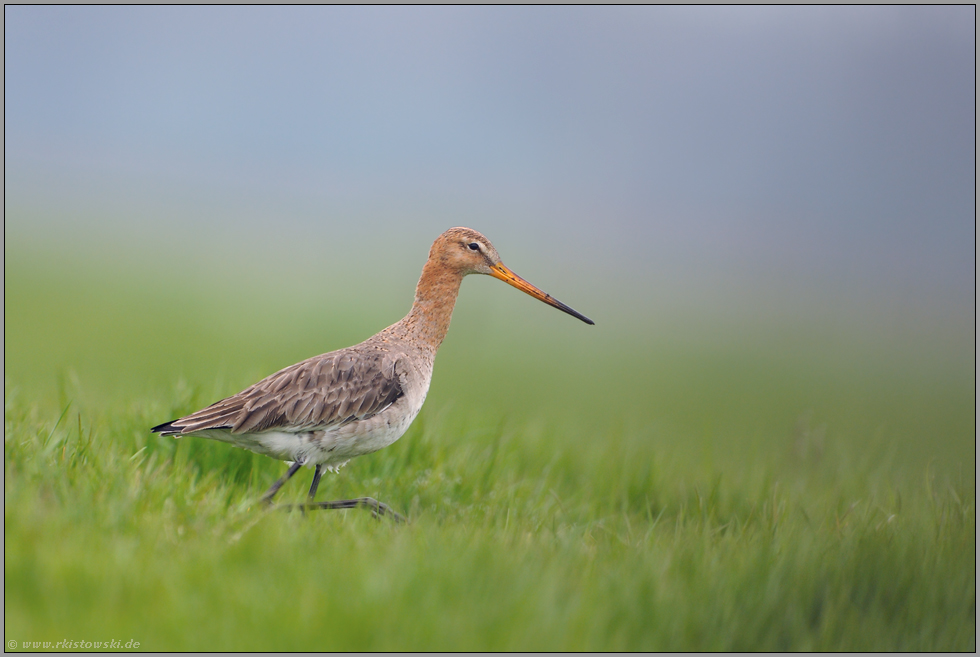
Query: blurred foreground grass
[{"x": 639, "y": 485}]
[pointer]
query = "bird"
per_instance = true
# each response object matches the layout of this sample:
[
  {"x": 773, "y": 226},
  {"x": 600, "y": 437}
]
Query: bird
[{"x": 326, "y": 410}]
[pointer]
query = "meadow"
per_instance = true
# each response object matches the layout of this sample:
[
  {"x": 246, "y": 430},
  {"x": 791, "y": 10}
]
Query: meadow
[{"x": 657, "y": 482}]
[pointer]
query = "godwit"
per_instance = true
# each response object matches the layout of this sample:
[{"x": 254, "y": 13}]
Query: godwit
[{"x": 328, "y": 409}]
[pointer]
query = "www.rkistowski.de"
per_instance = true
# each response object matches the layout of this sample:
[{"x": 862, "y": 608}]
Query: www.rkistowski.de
[{"x": 117, "y": 644}]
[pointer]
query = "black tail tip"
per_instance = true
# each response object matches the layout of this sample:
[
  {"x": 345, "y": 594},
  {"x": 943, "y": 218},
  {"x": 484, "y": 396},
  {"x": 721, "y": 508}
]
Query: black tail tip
[{"x": 167, "y": 428}]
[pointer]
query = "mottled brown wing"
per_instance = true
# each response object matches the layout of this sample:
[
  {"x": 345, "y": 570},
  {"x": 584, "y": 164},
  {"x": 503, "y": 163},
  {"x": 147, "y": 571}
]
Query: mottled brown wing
[{"x": 318, "y": 393}]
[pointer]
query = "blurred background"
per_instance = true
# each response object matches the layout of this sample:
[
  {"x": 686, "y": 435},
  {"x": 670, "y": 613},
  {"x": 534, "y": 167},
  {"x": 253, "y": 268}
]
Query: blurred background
[{"x": 769, "y": 211}]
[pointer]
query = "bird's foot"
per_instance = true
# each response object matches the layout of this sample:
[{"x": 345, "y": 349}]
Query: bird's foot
[{"x": 378, "y": 509}]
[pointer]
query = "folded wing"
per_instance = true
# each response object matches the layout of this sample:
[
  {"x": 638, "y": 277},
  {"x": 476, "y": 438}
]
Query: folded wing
[{"x": 318, "y": 393}]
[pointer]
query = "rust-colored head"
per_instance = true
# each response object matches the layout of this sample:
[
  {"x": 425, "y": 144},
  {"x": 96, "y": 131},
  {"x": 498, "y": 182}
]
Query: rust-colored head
[{"x": 469, "y": 252}]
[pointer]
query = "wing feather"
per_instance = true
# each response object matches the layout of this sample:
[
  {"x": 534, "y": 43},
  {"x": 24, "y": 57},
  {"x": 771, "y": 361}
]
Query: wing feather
[{"x": 318, "y": 393}]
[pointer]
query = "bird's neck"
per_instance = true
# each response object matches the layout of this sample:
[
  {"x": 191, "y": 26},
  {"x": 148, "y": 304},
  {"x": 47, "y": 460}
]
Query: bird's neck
[{"x": 435, "y": 296}]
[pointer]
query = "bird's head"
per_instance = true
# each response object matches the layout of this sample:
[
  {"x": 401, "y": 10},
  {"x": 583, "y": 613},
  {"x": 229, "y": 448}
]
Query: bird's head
[{"x": 469, "y": 252}]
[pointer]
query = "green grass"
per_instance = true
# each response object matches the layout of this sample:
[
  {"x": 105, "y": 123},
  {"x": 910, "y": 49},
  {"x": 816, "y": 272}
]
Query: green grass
[{"x": 633, "y": 486}]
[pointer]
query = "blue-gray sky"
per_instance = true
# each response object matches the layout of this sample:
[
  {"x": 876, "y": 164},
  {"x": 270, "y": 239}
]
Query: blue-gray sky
[{"x": 822, "y": 146}]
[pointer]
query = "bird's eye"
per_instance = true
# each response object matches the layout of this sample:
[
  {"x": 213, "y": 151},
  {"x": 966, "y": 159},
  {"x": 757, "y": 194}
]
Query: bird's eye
[{"x": 474, "y": 246}]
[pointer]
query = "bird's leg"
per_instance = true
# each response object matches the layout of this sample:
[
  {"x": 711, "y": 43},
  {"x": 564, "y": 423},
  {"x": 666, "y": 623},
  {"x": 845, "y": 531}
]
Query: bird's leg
[
  {"x": 316, "y": 480},
  {"x": 378, "y": 509},
  {"x": 267, "y": 498}
]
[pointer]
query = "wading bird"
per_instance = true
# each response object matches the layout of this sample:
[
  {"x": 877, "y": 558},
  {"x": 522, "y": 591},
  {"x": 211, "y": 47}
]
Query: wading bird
[{"x": 325, "y": 410}]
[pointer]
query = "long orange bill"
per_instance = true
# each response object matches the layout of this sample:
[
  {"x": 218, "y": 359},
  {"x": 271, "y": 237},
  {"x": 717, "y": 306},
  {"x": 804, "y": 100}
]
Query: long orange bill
[{"x": 509, "y": 277}]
